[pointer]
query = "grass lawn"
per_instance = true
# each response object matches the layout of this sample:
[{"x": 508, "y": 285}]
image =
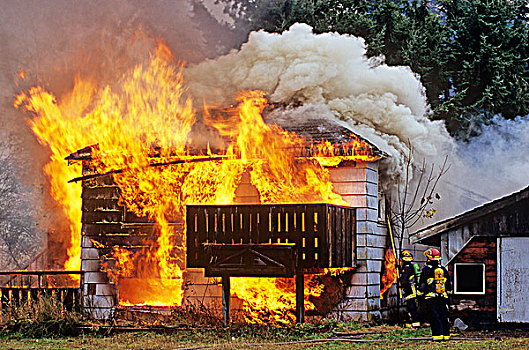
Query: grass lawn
[
  {"x": 45, "y": 325},
  {"x": 265, "y": 337}
]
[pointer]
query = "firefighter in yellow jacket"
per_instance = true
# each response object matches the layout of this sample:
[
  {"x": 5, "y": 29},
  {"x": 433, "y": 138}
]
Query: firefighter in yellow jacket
[
  {"x": 409, "y": 280},
  {"x": 436, "y": 286}
]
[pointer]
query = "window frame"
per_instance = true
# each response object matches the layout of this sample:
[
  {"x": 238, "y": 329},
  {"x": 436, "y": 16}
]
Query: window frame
[{"x": 469, "y": 293}]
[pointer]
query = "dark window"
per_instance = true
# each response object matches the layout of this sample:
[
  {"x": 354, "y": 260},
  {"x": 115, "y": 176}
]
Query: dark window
[{"x": 469, "y": 278}]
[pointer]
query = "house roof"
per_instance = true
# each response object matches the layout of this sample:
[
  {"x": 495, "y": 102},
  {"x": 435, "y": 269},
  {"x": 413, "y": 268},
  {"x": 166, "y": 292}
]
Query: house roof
[
  {"x": 346, "y": 142},
  {"x": 428, "y": 234},
  {"x": 314, "y": 130},
  {"x": 325, "y": 129}
]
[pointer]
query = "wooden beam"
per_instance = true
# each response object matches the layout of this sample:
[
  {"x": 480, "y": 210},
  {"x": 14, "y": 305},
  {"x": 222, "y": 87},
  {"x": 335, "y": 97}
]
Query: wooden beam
[
  {"x": 300, "y": 298},
  {"x": 173, "y": 162}
]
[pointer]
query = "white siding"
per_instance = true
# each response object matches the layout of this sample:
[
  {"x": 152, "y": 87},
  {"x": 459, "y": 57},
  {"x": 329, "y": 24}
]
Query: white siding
[
  {"x": 358, "y": 185},
  {"x": 513, "y": 279}
]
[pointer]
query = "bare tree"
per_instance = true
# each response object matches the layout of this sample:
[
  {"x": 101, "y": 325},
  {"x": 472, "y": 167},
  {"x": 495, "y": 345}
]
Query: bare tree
[
  {"x": 414, "y": 199},
  {"x": 19, "y": 234}
]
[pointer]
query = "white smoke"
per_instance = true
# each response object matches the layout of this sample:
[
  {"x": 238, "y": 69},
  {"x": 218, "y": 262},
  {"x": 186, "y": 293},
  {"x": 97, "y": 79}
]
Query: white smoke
[
  {"x": 313, "y": 76},
  {"x": 490, "y": 166},
  {"x": 496, "y": 163}
]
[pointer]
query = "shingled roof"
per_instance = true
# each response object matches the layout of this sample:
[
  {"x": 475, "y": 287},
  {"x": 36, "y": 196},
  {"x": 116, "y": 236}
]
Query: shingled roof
[
  {"x": 313, "y": 129},
  {"x": 323, "y": 129}
]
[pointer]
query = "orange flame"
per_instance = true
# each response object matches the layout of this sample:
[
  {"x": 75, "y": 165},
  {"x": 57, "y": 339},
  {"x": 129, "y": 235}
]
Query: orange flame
[
  {"x": 147, "y": 109},
  {"x": 390, "y": 273},
  {"x": 269, "y": 153},
  {"x": 146, "y": 118}
]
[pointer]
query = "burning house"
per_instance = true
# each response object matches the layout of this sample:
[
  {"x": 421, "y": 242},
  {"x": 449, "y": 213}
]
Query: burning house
[
  {"x": 485, "y": 250},
  {"x": 248, "y": 239}
]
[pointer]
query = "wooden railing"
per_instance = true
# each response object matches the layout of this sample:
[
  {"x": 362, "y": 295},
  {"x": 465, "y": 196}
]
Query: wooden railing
[
  {"x": 323, "y": 235},
  {"x": 27, "y": 287},
  {"x": 269, "y": 240},
  {"x": 37, "y": 263}
]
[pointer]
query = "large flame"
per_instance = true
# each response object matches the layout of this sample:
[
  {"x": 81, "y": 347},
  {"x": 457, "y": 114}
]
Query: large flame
[
  {"x": 145, "y": 109},
  {"x": 270, "y": 154},
  {"x": 145, "y": 118},
  {"x": 390, "y": 272}
]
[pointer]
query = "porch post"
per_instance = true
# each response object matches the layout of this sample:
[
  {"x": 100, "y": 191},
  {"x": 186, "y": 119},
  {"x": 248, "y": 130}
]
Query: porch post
[
  {"x": 300, "y": 298},
  {"x": 226, "y": 300}
]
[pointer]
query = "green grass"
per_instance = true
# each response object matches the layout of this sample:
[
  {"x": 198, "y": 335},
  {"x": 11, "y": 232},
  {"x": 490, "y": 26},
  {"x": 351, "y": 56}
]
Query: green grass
[
  {"x": 247, "y": 336},
  {"x": 45, "y": 325}
]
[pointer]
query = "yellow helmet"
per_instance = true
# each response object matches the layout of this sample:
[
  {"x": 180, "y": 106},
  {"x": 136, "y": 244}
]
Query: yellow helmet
[{"x": 406, "y": 255}]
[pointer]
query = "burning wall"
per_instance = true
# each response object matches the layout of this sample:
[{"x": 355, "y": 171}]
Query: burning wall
[{"x": 108, "y": 227}]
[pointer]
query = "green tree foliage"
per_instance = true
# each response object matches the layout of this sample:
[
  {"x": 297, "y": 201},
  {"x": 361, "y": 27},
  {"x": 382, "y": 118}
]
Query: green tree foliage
[
  {"x": 489, "y": 61},
  {"x": 472, "y": 55}
]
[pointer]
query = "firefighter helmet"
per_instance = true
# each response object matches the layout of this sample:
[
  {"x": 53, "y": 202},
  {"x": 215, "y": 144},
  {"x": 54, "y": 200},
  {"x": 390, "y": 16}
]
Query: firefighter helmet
[
  {"x": 433, "y": 254},
  {"x": 407, "y": 256}
]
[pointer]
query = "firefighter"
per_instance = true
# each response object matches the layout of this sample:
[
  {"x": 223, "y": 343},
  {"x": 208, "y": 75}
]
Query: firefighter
[
  {"x": 409, "y": 279},
  {"x": 436, "y": 286}
]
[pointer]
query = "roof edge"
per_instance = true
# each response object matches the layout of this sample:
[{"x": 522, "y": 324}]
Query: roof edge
[{"x": 468, "y": 216}]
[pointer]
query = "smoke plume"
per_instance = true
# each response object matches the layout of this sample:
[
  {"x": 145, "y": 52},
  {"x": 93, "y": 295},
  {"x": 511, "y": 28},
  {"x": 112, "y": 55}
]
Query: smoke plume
[
  {"x": 306, "y": 76},
  {"x": 310, "y": 76},
  {"x": 495, "y": 163}
]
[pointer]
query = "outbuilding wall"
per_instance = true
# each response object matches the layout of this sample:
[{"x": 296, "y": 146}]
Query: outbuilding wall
[{"x": 477, "y": 309}]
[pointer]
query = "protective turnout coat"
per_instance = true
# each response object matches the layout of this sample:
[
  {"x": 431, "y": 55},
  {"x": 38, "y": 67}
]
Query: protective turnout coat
[
  {"x": 435, "y": 281},
  {"x": 409, "y": 280}
]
